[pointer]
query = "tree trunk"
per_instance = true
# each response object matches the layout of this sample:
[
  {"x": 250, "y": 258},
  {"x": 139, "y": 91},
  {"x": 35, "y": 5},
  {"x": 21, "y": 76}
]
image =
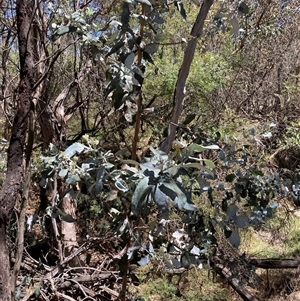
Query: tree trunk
[
  {"x": 183, "y": 74},
  {"x": 12, "y": 185}
]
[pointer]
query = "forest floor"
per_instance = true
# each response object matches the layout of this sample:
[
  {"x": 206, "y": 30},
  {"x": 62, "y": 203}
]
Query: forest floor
[{"x": 203, "y": 284}]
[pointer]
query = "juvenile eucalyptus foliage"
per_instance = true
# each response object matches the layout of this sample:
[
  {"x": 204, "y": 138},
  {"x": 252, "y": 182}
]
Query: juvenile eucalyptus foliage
[
  {"x": 119, "y": 41},
  {"x": 129, "y": 40},
  {"x": 166, "y": 196}
]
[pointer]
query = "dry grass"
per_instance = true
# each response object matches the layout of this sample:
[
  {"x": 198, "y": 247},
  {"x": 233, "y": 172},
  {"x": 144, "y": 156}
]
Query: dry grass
[{"x": 279, "y": 285}]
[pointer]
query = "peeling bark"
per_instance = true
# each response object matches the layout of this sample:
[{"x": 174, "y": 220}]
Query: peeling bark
[
  {"x": 68, "y": 230},
  {"x": 53, "y": 118}
]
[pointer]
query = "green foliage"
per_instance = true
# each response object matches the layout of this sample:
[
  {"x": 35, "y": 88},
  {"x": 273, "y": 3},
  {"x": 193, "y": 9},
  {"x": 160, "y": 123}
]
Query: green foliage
[
  {"x": 92, "y": 218},
  {"x": 166, "y": 74},
  {"x": 209, "y": 71},
  {"x": 160, "y": 288}
]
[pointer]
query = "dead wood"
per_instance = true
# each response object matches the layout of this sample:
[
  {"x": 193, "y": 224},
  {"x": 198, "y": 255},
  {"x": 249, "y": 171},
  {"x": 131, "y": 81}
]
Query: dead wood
[
  {"x": 275, "y": 263},
  {"x": 234, "y": 282}
]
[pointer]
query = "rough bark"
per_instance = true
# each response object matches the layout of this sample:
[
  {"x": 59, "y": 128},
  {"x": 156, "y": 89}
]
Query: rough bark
[
  {"x": 12, "y": 185},
  {"x": 183, "y": 74},
  {"x": 21, "y": 231}
]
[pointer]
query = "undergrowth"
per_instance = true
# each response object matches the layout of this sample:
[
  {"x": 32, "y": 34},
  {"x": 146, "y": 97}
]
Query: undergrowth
[
  {"x": 194, "y": 285},
  {"x": 280, "y": 239}
]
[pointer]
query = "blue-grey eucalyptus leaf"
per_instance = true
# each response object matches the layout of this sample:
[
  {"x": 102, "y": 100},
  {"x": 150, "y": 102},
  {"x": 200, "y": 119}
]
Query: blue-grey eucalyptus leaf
[
  {"x": 231, "y": 212},
  {"x": 75, "y": 148},
  {"x": 151, "y": 48},
  {"x": 172, "y": 190},
  {"x": 63, "y": 173},
  {"x": 129, "y": 60},
  {"x": 144, "y": 260},
  {"x": 121, "y": 185},
  {"x": 99, "y": 179},
  {"x": 203, "y": 183},
  {"x": 176, "y": 263},
  {"x": 140, "y": 196},
  {"x": 161, "y": 199},
  {"x": 73, "y": 179},
  {"x": 235, "y": 239},
  {"x": 131, "y": 251},
  {"x": 145, "y": 2},
  {"x": 242, "y": 221},
  {"x": 64, "y": 216}
]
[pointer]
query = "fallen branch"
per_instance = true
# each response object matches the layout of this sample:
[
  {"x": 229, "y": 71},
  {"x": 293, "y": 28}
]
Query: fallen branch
[
  {"x": 85, "y": 290},
  {"x": 109, "y": 291},
  {"x": 233, "y": 282},
  {"x": 95, "y": 277},
  {"x": 275, "y": 263}
]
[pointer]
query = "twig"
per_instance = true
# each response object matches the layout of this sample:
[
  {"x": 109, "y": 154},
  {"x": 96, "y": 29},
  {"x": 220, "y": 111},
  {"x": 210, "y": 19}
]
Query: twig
[
  {"x": 29, "y": 294},
  {"x": 58, "y": 294},
  {"x": 140, "y": 97},
  {"x": 268, "y": 263},
  {"x": 80, "y": 287},
  {"x": 109, "y": 291},
  {"x": 56, "y": 270},
  {"x": 68, "y": 283},
  {"x": 88, "y": 298}
]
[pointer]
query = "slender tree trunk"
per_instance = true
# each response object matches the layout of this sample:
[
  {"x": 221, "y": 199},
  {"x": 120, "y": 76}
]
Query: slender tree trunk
[
  {"x": 183, "y": 74},
  {"x": 12, "y": 185}
]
